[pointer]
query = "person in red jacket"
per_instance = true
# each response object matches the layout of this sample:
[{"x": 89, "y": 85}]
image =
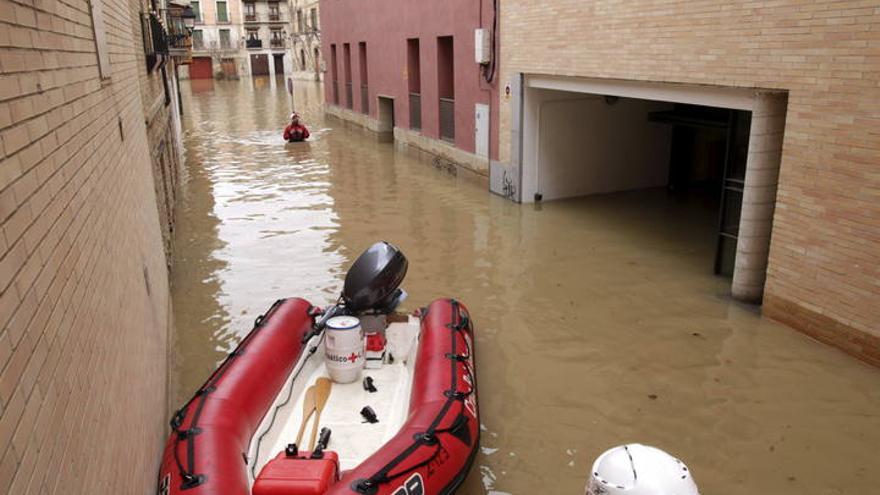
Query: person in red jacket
[{"x": 295, "y": 132}]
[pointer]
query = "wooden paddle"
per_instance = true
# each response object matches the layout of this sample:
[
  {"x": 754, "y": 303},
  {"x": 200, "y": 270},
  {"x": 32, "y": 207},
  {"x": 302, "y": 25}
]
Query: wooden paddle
[
  {"x": 322, "y": 392},
  {"x": 308, "y": 409}
]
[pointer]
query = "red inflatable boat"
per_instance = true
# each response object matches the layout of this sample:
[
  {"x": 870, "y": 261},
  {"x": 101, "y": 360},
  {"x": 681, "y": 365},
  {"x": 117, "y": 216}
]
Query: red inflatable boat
[{"x": 411, "y": 429}]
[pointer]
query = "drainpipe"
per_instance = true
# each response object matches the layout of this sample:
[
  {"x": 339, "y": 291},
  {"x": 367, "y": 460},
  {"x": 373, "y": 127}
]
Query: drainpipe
[{"x": 759, "y": 196}]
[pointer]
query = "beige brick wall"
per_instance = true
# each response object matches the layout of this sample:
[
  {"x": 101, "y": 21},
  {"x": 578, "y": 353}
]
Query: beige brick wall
[
  {"x": 84, "y": 306},
  {"x": 825, "y": 253}
]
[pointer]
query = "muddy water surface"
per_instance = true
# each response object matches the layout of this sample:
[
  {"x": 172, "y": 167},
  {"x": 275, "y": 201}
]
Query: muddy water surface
[{"x": 598, "y": 320}]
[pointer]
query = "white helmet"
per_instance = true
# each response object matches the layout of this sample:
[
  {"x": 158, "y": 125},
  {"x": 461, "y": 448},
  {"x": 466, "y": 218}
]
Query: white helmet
[{"x": 637, "y": 469}]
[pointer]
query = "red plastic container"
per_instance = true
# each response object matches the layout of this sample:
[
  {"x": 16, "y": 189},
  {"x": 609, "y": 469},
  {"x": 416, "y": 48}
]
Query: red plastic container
[{"x": 297, "y": 475}]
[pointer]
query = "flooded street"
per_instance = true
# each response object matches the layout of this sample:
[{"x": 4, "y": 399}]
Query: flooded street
[{"x": 598, "y": 320}]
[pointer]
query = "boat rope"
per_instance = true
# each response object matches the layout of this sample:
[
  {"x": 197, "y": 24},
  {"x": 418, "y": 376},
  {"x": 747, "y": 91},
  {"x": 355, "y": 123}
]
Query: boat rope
[
  {"x": 460, "y": 321},
  {"x": 311, "y": 352},
  {"x": 187, "y": 473}
]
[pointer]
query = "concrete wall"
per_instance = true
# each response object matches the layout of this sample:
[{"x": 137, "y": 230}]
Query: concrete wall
[
  {"x": 589, "y": 147},
  {"x": 84, "y": 306},
  {"x": 825, "y": 253},
  {"x": 385, "y": 26}
]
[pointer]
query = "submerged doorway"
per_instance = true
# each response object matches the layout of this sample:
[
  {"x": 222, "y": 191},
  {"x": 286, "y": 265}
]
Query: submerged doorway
[
  {"x": 259, "y": 64},
  {"x": 582, "y": 136},
  {"x": 278, "y": 60},
  {"x": 386, "y": 118}
]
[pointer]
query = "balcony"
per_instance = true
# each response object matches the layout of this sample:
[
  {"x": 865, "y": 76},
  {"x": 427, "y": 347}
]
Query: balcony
[
  {"x": 447, "y": 119},
  {"x": 415, "y": 111},
  {"x": 214, "y": 46},
  {"x": 253, "y": 44},
  {"x": 250, "y": 18},
  {"x": 276, "y": 43},
  {"x": 274, "y": 17}
]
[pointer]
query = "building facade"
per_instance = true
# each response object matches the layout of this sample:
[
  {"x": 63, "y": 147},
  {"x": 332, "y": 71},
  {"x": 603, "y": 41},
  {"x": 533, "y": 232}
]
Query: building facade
[
  {"x": 265, "y": 27},
  {"x": 410, "y": 69},
  {"x": 305, "y": 40},
  {"x": 218, "y": 40},
  {"x": 84, "y": 297},
  {"x": 790, "y": 87},
  {"x": 167, "y": 47},
  {"x": 236, "y": 38}
]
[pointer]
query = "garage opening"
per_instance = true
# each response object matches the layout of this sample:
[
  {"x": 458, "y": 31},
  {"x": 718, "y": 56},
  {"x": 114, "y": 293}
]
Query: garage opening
[{"x": 712, "y": 149}]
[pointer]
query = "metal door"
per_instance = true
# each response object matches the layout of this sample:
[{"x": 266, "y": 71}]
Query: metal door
[
  {"x": 259, "y": 65},
  {"x": 481, "y": 130}
]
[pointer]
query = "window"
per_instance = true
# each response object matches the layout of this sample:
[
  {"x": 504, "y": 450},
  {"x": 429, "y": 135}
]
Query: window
[
  {"x": 314, "y": 15},
  {"x": 225, "y": 40},
  {"x": 446, "y": 86},
  {"x": 250, "y": 11},
  {"x": 222, "y": 14},
  {"x": 414, "y": 79},
  {"x": 362, "y": 66},
  {"x": 198, "y": 39},
  {"x": 277, "y": 40},
  {"x": 196, "y": 10},
  {"x": 302, "y": 59},
  {"x": 299, "y": 21},
  {"x": 253, "y": 34},
  {"x": 274, "y": 13},
  {"x": 100, "y": 39}
]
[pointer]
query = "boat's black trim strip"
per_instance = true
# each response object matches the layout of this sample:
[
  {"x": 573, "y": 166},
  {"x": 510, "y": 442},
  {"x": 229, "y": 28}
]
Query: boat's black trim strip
[
  {"x": 459, "y": 322},
  {"x": 190, "y": 478}
]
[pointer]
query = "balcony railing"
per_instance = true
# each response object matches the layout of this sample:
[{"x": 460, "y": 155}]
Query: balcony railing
[
  {"x": 211, "y": 46},
  {"x": 276, "y": 43},
  {"x": 447, "y": 119},
  {"x": 274, "y": 17},
  {"x": 365, "y": 99},
  {"x": 254, "y": 44},
  {"x": 415, "y": 111},
  {"x": 349, "y": 100},
  {"x": 250, "y": 18}
]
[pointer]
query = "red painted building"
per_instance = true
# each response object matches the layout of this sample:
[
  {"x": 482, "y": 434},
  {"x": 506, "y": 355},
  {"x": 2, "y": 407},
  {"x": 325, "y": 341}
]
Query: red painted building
[{"x": 416, "y": 62}]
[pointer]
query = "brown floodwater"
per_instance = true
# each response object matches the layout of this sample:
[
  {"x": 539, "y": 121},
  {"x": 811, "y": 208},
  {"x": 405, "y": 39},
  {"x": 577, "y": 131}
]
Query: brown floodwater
[{"x": 598, "y": 320}]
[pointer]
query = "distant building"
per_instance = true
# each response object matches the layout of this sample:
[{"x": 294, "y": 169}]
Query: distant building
[
  {"x": 218, "y": 40},
  {"x": 410, "y": 68},
  {"x": 265, "y": 37},
  {"x": 236, "y": 38},
  {"x": 305, "y": 36},
  {"x": 772, "y": 107}
]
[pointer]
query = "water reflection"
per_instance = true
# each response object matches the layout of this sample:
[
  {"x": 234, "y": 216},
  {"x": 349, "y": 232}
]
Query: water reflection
[{"x": 599, "y": 321}]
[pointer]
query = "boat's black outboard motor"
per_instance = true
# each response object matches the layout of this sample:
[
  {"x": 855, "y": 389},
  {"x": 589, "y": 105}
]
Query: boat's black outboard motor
[
  {"x": 373, "y": 282},
  {"x": 372, "y": 285}
]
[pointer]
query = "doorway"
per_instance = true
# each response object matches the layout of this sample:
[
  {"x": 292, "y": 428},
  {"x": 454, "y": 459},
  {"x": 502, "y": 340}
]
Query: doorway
[
  {"x": 259, "y": 64},
  {"x": 227, "y": 66},
  {"x": 201, "y": 68},
  {"x": 714, "y": 150},
  {"x": 386, "y": 118},
  {"x": 278, "y": 59},
  {"x": 481, "y": 130}
]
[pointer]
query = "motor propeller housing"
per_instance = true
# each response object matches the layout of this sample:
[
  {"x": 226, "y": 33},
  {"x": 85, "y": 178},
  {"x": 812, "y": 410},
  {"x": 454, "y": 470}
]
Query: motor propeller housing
[{"x": 373, "y": 282}]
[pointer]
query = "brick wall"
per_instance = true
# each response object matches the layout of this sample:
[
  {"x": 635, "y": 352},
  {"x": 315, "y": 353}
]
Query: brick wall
[
  {"x": 825, "y": 252},
  {"x": 159, "y": 99},
  {"x": 84, "y": 306}
]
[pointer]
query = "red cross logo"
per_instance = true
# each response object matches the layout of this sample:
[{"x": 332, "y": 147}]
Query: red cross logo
[{"x": 352, "y": 357}]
